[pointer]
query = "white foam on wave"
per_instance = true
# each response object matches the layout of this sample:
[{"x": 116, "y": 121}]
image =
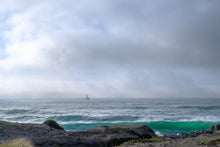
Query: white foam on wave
[
  {"x": 158, "y": 133},
  {"x": 202, "y": 119}
]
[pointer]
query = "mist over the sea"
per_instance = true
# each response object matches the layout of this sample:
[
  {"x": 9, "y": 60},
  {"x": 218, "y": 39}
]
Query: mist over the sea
[{"x": 164, "y": 115}]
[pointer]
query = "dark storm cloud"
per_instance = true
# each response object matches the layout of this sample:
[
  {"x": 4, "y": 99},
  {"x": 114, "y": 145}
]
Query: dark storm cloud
[
  {"x": 163, "y": 33},
  {"x": 115, "y": 48}
]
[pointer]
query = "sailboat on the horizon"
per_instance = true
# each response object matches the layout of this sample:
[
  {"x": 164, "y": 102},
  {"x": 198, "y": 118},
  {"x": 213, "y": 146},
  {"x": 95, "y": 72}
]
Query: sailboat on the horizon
[{"x": 87, "y": 97}]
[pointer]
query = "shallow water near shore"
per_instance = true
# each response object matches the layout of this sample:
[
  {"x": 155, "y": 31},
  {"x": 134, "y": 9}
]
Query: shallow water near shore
[{"x": 163, "y": 115}]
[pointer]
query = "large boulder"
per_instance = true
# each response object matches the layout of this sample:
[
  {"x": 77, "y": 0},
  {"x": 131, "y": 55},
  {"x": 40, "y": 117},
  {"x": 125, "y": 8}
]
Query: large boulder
[
  {"x": 141, "y": 131},
  {"x": 214, "y": 128},
  {"x": 115, "y": 135}
]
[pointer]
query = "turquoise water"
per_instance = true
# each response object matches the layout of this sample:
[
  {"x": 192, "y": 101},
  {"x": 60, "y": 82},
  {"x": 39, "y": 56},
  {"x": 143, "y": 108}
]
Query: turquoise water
[
  {"x": 162, "y": 115},
  {"x": 162, "y": 127}
]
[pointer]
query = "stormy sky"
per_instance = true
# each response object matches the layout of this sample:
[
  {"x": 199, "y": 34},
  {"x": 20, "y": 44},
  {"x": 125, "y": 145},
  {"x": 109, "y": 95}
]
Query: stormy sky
[{"x": 110, "y": 48}]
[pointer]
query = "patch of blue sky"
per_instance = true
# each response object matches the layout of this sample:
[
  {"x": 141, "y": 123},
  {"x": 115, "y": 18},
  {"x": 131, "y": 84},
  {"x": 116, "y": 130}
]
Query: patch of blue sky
[
  {"x": 3, "y": 28},
  {"x": 3, "y": 43},
  {"x": 2, "y": 48},
  {"x": 3, "y": 40},
  {"x": 96, "y": 25},
  {"x": 100, "y": 27}
]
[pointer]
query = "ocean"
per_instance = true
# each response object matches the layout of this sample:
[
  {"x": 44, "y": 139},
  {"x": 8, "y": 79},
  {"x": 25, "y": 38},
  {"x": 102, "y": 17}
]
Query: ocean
[{"x": 164, "y": 115}]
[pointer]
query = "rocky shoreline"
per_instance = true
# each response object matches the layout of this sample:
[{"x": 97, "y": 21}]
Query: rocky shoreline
[
  {"x": 46, "y": 136},
  {"x": 211, "y": 130}
]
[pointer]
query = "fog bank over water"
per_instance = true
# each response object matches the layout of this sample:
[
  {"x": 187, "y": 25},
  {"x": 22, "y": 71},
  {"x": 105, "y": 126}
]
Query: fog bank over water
[{"x": 111, "y": 48}]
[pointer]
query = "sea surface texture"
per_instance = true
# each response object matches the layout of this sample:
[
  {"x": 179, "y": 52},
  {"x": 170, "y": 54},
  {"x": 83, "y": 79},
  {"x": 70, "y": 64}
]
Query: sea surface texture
[{"x": 163, "y": 115}]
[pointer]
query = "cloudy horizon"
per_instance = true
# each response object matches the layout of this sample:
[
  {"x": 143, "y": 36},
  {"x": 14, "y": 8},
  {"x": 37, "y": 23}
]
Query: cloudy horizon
[{"x": 117, "y": 48}]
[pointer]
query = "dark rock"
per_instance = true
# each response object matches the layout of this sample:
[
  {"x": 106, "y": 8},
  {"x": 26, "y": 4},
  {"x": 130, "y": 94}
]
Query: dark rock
[
  {"x": 43, "y": 135},
  {"x": 195, "y": 133},
  {"x": 209, "y": 132},
  {"x": 214, "y": 128},
  {"x": 184, "y": 135},
  {"x": 172, "y": 136},
  {"x": 142, "y": 131},
  {"x": 199, "y": 132}
]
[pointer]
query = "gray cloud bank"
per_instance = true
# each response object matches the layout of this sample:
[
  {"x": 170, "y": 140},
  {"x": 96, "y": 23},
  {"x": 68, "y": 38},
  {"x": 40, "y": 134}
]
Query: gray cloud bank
[{"x": 117, "y": 48}]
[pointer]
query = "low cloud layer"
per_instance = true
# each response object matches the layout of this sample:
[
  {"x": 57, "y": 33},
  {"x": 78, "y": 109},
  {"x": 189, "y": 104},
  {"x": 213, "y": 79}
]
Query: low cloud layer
[{"x": 111, "y": 48}]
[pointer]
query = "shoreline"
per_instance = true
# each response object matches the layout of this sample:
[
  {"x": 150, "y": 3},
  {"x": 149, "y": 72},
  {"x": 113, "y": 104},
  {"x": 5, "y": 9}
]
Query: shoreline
[{"x": 45, "y": 135}]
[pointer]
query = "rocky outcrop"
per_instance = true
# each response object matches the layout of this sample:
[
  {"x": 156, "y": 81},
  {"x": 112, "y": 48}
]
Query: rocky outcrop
[
  {"x": 43, "y": 135},
  {"x": 212, "y": 129},
  {"x": 46, "y": 136}
]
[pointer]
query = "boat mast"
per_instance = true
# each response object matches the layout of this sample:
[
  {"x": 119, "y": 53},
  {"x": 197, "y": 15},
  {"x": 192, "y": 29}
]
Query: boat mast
[{"x": 87, "y": 97}]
